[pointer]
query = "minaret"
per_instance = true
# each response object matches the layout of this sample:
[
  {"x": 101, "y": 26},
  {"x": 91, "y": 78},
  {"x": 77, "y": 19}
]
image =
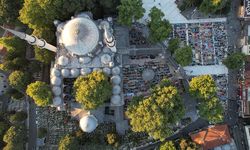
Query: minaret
[{"x": 41, "y": 43}]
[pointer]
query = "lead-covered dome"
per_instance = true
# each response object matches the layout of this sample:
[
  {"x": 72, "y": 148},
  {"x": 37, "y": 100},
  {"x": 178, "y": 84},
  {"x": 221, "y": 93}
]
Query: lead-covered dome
[
  {"x": 80, "y": 36},
  {"x": 88, "y": 123}
]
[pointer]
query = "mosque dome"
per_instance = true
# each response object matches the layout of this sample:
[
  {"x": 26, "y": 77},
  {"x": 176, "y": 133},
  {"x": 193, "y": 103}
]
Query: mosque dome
[
  {"x": 57, "y": 101},
  {"x": 116, "y": 89},
  {"x": 116, "y": 99},
  {"x": 116, "y": 71},
  {"x": 106, "y": 70},
  {"x": 56, "y": 81},
  {"x": 65, "y": 72},
  {"x": 88, "y": 123},
  {"x": 56, "y": 90},
  {"x": 116, "y": 80},
  {"x": 105, "y": 58},
  {"x": 63, "y": 61},
  {"x": 74, "y": 72},
  {"x": 84, "y": 60},
  {"x": 55, "y": 72},
  {"x": 80, "y": 36},
  {"x": 85, "y": 71}
]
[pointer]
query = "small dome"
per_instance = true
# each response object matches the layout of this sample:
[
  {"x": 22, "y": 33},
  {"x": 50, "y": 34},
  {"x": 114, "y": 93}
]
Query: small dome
[
  {"x": 63, "y": 61},
  {"x": 116, "y": 71},
  {"x": 80, "y": 36},
  {"x": 97, "y": 69},
  {"x": 65, "y": 72},
  {"x": 116, "y": 89},
  {"x": 55, "y": 72},
  {"x": 56, "y": 90},
  {"x": 56, "y": 81},
  {"x": 106, "y": 50},
  {"x": 106, "y": 59},
  {"x": 111, "y": 64},
  {"x": 116, "y": 80},
  {"x": 148, "y": 75},
  {"x": 116, "y": 99},
  {"x": 84, "y": 60},
  {"x": 88, "y": 123},
  {"x": 85, "y": 71},
  {"x": 74, "y": 72},
  {"x": 106, "y": 71},
  {"x": 57, "y": 101}
]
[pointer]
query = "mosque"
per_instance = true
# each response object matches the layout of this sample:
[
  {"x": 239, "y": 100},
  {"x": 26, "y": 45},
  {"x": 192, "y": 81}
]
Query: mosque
[{"x": 83, "y": 46}]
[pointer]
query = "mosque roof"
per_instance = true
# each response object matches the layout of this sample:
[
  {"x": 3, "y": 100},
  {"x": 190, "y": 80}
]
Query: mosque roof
[
  {"x": 80, "y": 36},
  {"x": 88, "y": 123}
]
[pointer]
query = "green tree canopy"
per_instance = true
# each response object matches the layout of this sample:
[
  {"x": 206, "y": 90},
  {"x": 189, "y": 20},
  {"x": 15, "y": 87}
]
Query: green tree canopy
[
  {"x": 43, "y": 55},
  {"x": 164, "y": 108},
  {"x": 40, "y": 92},
  {"x": 111, "y": 138},
  {"x": 92, "y": 90},
  {"x": 234, "y": 61},
  {"x": 42, "y": 132},
  {"x": 19, "y": 80},
  {"x": 68, "y": 143},
  {"x": 211, "y": 110},
  {"x": 15, "y": 57},
  {"x": 169, "y": 145},
  {"x": 159, "y": 28},
  {"x": 203, "y": 87},
  {"x": 15, "y": 135},
  {"x": 9, "y": 11},
  {"x": 3, "y": 128},
  {"x": 183, "y": 55},
  {"x": 129, "y": 11},
  {"x": 18, "y": 117},
  {"x": 211, "y": 6},
  {"x": 15, "y": 94},
  {"x": 173, "y": 45},
  {"x": 187, "y": 144}
]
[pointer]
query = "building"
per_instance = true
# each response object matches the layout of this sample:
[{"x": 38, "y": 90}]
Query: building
[
  {"x": 83, "y": 45},
  {"x": 214, "y": 137},
  {"x": 247, "y": 130}
]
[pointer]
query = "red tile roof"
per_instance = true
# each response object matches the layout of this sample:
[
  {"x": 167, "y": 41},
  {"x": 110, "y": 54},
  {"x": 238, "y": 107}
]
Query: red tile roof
[{"x": 212, "y": 137}]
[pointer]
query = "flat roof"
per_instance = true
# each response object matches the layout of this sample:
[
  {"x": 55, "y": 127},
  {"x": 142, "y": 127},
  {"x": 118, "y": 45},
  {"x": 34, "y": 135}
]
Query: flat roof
[{"x": 203, "y": 70}]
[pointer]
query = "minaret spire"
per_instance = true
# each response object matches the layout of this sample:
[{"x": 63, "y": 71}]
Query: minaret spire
[{"x": 32, "y": 40}]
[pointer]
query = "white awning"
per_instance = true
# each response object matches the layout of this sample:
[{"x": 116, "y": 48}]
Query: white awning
[{"x": 203, "y": 70}]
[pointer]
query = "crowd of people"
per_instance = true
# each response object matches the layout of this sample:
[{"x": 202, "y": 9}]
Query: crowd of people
[
  {"x": 133, "y": 82},
  {"x": 208, "y": 41}
]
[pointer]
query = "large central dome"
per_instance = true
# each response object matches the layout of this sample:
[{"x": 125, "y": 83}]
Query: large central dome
[{"x": 80, "y": 36}]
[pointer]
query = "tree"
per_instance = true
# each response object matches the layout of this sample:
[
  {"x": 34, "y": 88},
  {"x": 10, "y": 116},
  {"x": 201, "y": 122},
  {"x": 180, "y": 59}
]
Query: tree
[
  {"x": 173, "y": 45},
  {"x": 14, "y": 146},
  {"x": 112, "y": 138},
  {"x": 183, "y": 55},
  {"x": 211, "y": 110},
  {"x": 159, "y": 28},
  {"x": 164, "y": 108},
  {"x": 92, "y": 90},
  {"x": 18, "y": 117},
  {"x": 3, "y": 128},
  {"x": 211, "y": 6},
  {"x": 15, "y": 134},
  {"x": 40, "y": 92},
  {"x": 15, "y": 94},
  {"x": 68, "y": 143},
  {"x": 169, "y": 145},
  {"x": 234, "y": 61},
  {"x": 43, "y": 55},
  {"x": 129, "y": 11},
  {"x": 9, "y": 11},
  {"x": 15, "y": 57},
  {"x": 19, "y": 80},
  {"x": 34, "y": 66},
  {"x": 202, "y": 87},
  {"x": 187, "y": 144},
  {"x": 42, "y": 132}
]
